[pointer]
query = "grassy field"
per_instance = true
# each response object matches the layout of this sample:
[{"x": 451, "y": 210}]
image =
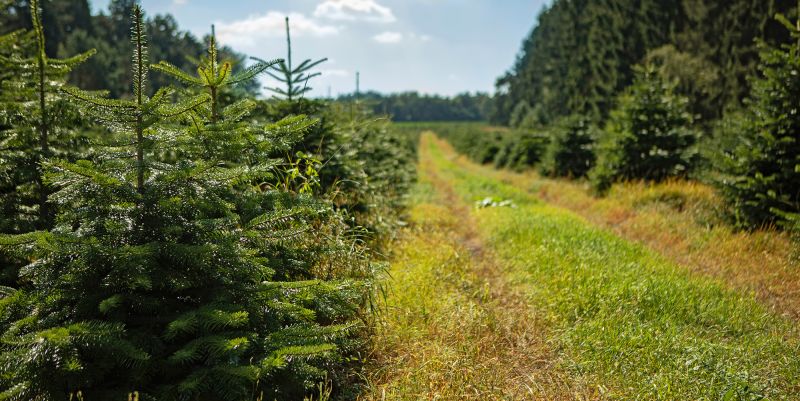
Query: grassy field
[
  {"x": 684, "y": 221},
  {"x": 527, "y": 300}
]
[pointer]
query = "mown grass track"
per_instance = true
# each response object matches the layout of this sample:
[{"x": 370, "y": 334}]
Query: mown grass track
[
  {"x": 452, "y": 325},
  {"x": 614, "y": 319}
]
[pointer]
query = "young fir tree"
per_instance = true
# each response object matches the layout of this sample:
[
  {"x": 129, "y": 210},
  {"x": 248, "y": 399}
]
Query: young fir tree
[
  {"x": 36, "y": 124},
  {"x": 761, "y": 174},
  {"x": 648, "y": 136},
  {"x": 218, "y": 128},
  {"x": 519, "y": 151},
  {"x": 321, "y": 141},
  {"x": 294, "y": 77},
  {"x": 153, "y": 282},
  {"x": 571, "y": 149}
]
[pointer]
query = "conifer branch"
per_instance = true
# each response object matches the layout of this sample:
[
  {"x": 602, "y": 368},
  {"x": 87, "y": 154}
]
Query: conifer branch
[
  {"x": 184, "y": 106},
  {"x": 252, "y": 71},
  {"x": 277, "y": 78},
  {"x": 124, "y": 106},
  {"x": 71, "y": 61},
  {"x": 176, "y": 72}
]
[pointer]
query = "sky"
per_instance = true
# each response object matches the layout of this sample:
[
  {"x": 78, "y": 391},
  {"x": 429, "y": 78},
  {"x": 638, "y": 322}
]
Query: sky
[{"x": 431, "y": 46}]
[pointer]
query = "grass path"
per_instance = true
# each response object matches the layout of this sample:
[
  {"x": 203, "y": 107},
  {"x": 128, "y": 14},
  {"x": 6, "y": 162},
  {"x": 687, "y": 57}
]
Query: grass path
[
  {"x": 533, "y": 302},
  {"x": 453, "y": 326},
  {"x": 683, "y": 221}
]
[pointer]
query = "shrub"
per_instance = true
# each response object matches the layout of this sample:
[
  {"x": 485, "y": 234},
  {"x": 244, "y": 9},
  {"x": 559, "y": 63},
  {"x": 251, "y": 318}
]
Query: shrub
[
  {"x": 647, "y": 136},
  {"x": 760, "y": 174},
  {"x": 571, "y": 149},
  {"x": 521, "y": 149},
  {"x": 519, "y": 113}
]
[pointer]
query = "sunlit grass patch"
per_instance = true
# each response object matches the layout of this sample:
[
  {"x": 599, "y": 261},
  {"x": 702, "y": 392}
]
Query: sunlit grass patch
[
  {"x": 434, "y": 336},
  {"x": 685, "y": 222},
  {"x": 451, "y": 328},
  {"x": 625, "y": 317},
  {"x": 628, "y": 316}
]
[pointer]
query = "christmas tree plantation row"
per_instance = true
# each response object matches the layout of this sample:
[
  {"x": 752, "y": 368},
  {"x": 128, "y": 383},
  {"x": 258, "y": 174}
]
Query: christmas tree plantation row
[{"x": 187, "y": 242}]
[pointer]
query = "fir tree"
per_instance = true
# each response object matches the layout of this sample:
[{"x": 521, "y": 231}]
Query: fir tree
[
  {"x": 761, "y": 174},
  {"x": 648, "y": 135},
  {"x": 294, "y": 77},
  {"x": 520, "y": 150},
  {"x": 38, "y": 125},
  {"x": 35, "y": 124},
  {"x": 155, "y": 281},
  {"x": 216, "y": 127},
  {"x": 571, "y": 149}
]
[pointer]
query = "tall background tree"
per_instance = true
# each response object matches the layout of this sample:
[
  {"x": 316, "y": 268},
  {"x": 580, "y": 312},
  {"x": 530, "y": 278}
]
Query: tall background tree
[{"x": 580, "y": 54}]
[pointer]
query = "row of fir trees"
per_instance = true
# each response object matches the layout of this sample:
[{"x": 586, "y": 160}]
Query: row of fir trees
[
  {"x": 185, "y": 242},
  {"x": 650, "y": 90}
]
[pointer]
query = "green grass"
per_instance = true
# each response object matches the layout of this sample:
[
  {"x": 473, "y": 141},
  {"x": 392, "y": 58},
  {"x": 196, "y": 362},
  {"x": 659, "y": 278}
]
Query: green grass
[
  {"x": 450, "y": 326},
  {"x": 626, "y": 318}
]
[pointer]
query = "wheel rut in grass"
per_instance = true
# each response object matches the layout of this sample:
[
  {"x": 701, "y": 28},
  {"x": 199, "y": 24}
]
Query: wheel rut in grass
[
  {"x": 684, "y": 222},
  {"x": 520, "y": 341},
  {"x": 471, "y": 333}
]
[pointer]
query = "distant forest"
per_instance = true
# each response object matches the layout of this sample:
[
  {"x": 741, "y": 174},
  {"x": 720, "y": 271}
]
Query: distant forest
[
  {"x": 412, "y": 106},
  {"x": 581, "y": 54}
]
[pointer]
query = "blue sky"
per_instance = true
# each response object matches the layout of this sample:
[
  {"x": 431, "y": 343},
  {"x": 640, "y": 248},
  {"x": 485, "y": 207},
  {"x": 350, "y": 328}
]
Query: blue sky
[{"x": 431, "y": 46}]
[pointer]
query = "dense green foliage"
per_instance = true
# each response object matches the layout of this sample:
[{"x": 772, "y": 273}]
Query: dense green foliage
[
  {"x": 760, "y": 167},
  {"x": 412, "y": 106},
  {"x": 34, "y": 123},
  {"x": 571, "y": 150},
  {"x": 356, "y": 159},
  {"x": 580, "y": 54},
  {"x": 501, "y": 147},
  {"x": 648, "y": 135},
  {"x": 520, "y": 150},
  {"x": 194, "y": 252}
]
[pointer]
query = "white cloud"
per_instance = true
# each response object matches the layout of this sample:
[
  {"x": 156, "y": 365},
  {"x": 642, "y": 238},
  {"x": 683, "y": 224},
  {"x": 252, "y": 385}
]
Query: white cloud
[
  {"x": 249, "y": 31},
  {"x": 352, "y": 10},
  {"x": 388, "y": 37},
  {"x": 179, "y": 2}
]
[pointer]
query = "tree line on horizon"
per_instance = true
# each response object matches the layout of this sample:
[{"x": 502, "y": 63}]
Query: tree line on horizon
[{"x": 414, "y": 106}]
